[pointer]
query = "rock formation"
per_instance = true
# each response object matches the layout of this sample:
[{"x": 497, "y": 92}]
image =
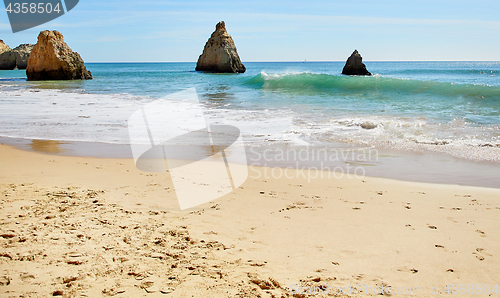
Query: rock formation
[
  {"x": 7, "y": 57},
  {"x": 354, "y": 66},
  {"x": 52, "y": 59},
  {"x": 219, "y": 54},
  {"x": 3, "y": 47},
  {"x": 18, "y": 57},
  {"x": 22, "y": 53}
]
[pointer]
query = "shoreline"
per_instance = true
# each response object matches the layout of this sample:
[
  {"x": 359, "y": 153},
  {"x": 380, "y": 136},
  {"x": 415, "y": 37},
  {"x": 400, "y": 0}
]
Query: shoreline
[
  {"x": 426, "y": 167},
  {"x": 99, "y": 226}
]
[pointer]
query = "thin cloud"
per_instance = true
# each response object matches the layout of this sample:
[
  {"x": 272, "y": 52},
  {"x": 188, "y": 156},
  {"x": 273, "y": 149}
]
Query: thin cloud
[
  {"x": 101, "y": 19},
  {"x": 368, "y": 20},
  {"x": 107, "y": 39}
]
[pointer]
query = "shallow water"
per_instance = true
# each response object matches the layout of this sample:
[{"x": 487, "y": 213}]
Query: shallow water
[{"x": 448, "y": 107}]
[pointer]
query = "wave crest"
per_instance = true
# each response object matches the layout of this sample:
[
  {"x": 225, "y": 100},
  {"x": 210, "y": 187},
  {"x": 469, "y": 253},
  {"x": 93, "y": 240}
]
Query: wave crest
[{"x": 374, "y": 84}]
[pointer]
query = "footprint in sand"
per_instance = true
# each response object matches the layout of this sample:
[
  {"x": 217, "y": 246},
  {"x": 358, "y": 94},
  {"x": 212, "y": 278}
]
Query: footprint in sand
[
  {"x": 481, "y": 233},
  {"x": 26, "y": 276},
  {"x": 479, "y": 254},
  {"x": 406, "y": 269},
  {"x": 482, "y": 251},
  {"x": 167, "y": 290},
  {"x": 5, "y": 281}
]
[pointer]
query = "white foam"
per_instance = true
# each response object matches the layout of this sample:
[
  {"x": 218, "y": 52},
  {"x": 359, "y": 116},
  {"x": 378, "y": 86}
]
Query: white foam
[
  {"x": 72, "y": 116},
  {"x": 457, "y": 138},
  {"x": 69, "y": 116},
  {"x": 76, "y": 116},
  {"x": 274, "y": 76}
]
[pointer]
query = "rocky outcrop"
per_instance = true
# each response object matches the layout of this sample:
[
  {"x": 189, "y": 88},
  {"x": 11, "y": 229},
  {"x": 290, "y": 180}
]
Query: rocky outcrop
[
  {"x": 22, "y": 53},
  {"x": 3, "y": 47},
  {"x": 219, "y": 54},
  {"x": 355, "y": 66},
  {"x": 7, "y": 57},
  {"x": 18, "y": 57},
  {"x": 52, "y": 59}
]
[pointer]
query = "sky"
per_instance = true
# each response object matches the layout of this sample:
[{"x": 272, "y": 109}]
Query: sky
[{"x": 176, "y": 31}]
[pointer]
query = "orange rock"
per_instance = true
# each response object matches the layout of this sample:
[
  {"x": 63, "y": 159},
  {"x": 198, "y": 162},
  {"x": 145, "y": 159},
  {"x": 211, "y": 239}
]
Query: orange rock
[
  {"x": 219, "y": 54},
  {"x": 53, "y": 59}
]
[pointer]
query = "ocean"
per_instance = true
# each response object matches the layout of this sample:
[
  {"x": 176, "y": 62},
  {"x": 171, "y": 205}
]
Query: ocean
[{"x": 450, "y": 108}]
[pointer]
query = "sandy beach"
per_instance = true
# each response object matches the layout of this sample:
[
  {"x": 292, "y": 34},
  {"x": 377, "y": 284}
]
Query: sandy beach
[{"x": 90, "y": 227}]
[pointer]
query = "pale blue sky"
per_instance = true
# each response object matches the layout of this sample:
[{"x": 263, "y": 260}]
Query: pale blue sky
[{"x": 128, "y": 31}]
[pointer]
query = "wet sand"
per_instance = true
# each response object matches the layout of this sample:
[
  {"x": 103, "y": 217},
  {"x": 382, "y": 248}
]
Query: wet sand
[{"x": 427, "y": 167}]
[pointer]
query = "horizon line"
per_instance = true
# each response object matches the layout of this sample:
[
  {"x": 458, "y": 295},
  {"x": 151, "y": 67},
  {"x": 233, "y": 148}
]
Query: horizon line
[{"x": 300, "y": 61}]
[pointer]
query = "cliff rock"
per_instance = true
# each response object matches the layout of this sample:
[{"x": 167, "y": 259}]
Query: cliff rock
[
  {"x": 7, "y": 57},
  {"x": 3, "y": 47},
  {"x": 355, "y": 66},
  {"x": 22, "y": 53},
  {"x": 52, "y": 59},
  {"x": 219, "y": 54}
]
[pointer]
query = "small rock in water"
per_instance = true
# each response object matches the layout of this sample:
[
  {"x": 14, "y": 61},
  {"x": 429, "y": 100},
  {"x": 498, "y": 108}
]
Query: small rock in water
[
  {"x": 355, "y": 66},
  {"x": 368, "y": 125}
]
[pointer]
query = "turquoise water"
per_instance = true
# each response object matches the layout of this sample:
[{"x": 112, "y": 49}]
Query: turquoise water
[{"x": 450, "y": 107}]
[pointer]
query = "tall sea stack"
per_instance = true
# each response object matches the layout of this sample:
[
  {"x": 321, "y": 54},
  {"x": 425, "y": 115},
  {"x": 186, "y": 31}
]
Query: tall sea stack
[
  {"x": 53, "y": 59},
  {"x": 355, "y": 66},
  {"x": 219, "y": 54}
]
